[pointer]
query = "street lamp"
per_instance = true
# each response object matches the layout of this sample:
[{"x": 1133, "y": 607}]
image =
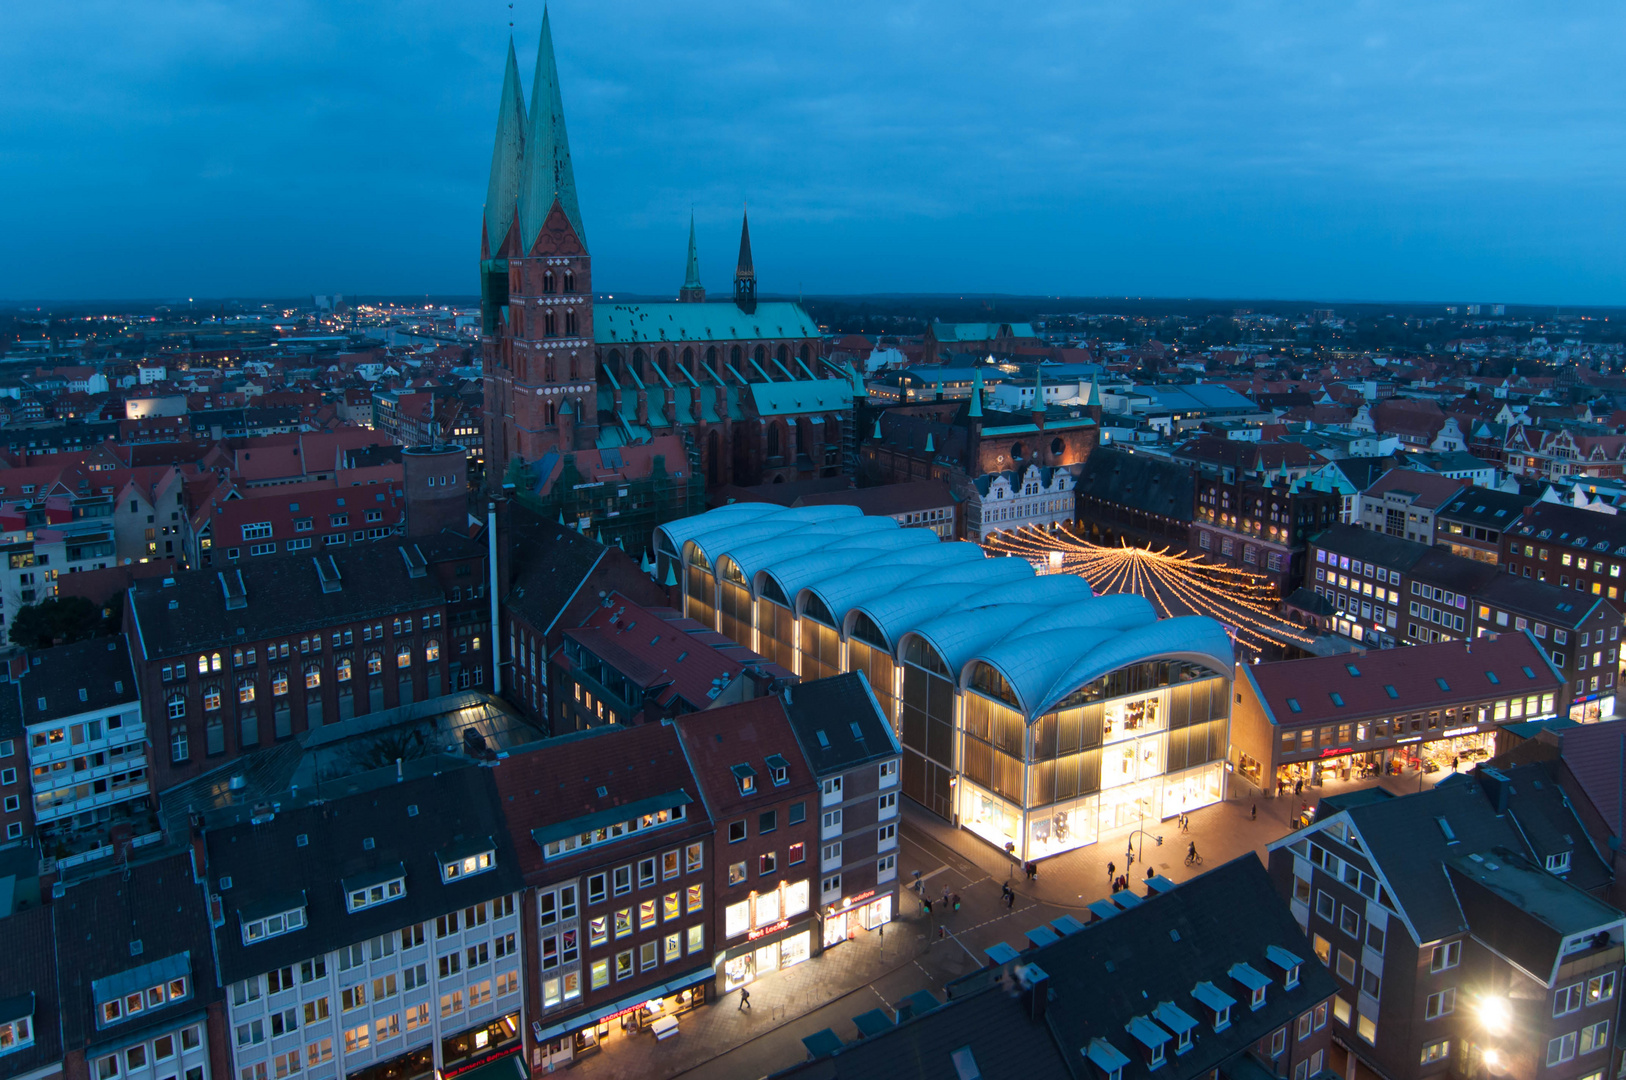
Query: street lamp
[{"x": 1495, "y": 1014}]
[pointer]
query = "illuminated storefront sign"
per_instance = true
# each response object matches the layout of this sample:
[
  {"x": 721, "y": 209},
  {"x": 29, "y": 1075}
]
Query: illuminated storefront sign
[
  {"x": 1452, "y": 733},
  {"x": 771, "y": 928},
  {"x": 850, "y": 902},
  {"x": 1334, "y": 751}
]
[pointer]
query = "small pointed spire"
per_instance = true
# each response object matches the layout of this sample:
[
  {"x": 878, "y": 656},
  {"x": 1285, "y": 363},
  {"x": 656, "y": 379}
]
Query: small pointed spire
[
  {"x": 877, "y": 428},
  {"x": 692, "y": 292},
  {"x": 930, "y": 449},
  {"x": 1038, "y": 388},
  {"x": 976, "y": 395},
  {"x": 644, "y": 564},
  {"x": 671, "y": 578},
  {"x": 745, "y": 275},
  {"x": 599, "y": 536}
]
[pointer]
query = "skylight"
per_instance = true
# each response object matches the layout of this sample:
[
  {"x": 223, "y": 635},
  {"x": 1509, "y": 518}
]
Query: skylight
[
  {"x": 1353, "y": 670},
  {"x": 1442, "y": 684},
  {"x": 1293, "y": 703},
  {"x": 1391, "y": 691},
  {"x": 1337, "y": 699},
  {"x": 1529, "y": 674},
  {"x": 1491, "y": 675}
]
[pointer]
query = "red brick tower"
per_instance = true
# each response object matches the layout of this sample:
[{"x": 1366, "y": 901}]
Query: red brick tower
[{"x": 536, "y": 278}]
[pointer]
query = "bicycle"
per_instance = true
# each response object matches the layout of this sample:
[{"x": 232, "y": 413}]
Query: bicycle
[{"x": 1193, "y": 859}]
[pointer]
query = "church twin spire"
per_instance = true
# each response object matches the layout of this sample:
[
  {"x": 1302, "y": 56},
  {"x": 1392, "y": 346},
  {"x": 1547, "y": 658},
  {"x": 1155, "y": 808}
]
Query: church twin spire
[
  {"x": 745, "y": 277},
  {"x": 530, "y": 164}
]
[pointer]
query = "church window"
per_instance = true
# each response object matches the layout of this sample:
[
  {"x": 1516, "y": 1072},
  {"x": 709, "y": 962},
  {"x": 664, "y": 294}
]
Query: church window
[
  {"x": 549, "y": 325},
  {"x": 570, "y": 281},
  {"x": 547, "y": 281},
  {"x": 784, "y": 354},
  {"x": 762, "y": 354},
  {"x": 734, "y": 355}
]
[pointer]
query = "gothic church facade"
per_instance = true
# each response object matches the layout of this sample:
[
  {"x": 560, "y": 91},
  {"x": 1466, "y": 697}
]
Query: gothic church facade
[{"x": 741, "y": 381}]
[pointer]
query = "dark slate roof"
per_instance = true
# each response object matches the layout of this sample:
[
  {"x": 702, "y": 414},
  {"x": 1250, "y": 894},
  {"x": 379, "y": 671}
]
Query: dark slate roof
[
  {"x": 28, "y": 969},
  {"x": 1585, "y": 530},
  {"x": 547, "y": 564},
  {"x": 1549, "y": 824},
  {"x": 284, "y": 595},
  {"x": 100, "y": 919},
  {"x": 1487, "y": 508},
  {"x": 72, "y": 679},
  {"x": 1100, "y": 979},
  {"x": 1523, "y": 912},
  {"x": 843, "y": 708},
  {"x": 1542, "y": 601},
  {"x": 1363, "y": 472},
  {"x": 1143, "y": 482},
  {"x": 989, "y": 1025},
  {"x": 1371, "y": 546},
  {"x": 1402, "y": 838},
  {"x": 1304, "y": 599},
  {"x": 268, "y": 867}
]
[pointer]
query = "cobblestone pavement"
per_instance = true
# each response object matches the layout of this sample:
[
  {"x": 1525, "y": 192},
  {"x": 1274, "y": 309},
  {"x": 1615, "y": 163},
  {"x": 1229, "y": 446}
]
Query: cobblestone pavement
[{"x": 925, "y": 952}]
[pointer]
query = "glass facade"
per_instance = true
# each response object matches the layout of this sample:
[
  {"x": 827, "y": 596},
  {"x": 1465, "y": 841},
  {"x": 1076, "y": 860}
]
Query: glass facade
[{"x": 1140, "y": 744}]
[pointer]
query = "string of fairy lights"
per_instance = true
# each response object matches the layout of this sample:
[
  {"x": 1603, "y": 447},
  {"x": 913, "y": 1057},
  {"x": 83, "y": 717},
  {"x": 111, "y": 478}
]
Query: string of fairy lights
[{"x": 1177, "y": 584}]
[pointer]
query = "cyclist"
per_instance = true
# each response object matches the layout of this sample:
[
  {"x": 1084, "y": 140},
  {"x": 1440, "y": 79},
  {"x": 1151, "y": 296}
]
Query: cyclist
[{"x": 1191, "y": 852}]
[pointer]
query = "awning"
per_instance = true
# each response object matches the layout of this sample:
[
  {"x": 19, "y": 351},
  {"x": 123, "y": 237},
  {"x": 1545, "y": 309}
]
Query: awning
[{"x": 581, "y": 1020}]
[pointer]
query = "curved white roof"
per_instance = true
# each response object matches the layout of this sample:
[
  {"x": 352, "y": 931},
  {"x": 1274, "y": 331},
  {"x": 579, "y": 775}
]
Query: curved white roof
[{"x": 1048, "y": 635}]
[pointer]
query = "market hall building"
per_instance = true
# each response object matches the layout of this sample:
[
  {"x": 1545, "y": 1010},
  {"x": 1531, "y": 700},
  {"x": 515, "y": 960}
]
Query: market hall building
[
  {"x": 1030, "y": 711},
  {"x": 1432, "y": 707}
]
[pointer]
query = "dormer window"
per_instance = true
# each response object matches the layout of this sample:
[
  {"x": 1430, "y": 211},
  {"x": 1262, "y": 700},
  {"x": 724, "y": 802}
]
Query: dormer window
[
  {"x": 133, "y": 993},
  {"x": 271, "y": 919},
  {"x": 1217, "y": 1000},
  {"x": 1558, "y": 864},
  {"x": 1152, "y": 1039},
  {"x": 1251, "y": 980},
  {"x": 746, "y": 778},
  {"x": 18, "y": 1032},
  {"x": 778, "y": 770},
  {"x": 1108, "y": 1060},
  {"x": 1177, "y": 1020},
  {"x": 460, "y": 861},
  {"x": 370, "y": 890}
]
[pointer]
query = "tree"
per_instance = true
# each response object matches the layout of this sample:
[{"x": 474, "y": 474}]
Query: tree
[{"x": 56, "y": 621}]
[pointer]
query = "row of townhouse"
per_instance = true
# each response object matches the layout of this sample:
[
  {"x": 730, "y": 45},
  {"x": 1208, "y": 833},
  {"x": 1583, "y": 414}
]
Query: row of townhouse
[{"x": 429, "y": 915}]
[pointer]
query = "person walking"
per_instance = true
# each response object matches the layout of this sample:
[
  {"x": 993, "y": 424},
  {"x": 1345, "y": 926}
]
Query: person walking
[
  {"x": 1112, "y": 870},
  {"x": 745, "y": 998},
  {"x": 1150, "y": 873},
  {"x": 955, "y": 899},
  {"x": 926, "y": 905},
  {"x": 1010, "y": 899},
  {"x": 1005, "y": 891},
  {"x": 945, "y": 895},
  {"x": 1253, "y": 814}
]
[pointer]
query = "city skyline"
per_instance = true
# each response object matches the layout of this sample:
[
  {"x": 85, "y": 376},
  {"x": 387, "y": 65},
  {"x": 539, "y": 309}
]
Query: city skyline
[{"x": 1254, "y": 151}]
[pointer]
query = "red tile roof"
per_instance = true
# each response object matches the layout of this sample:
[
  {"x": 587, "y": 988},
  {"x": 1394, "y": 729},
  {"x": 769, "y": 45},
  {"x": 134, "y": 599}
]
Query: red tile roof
[
  {"x": 743, "y": 734},
  {"x": 558, "y": 780},
  {"x": 1412, "y": 671}
]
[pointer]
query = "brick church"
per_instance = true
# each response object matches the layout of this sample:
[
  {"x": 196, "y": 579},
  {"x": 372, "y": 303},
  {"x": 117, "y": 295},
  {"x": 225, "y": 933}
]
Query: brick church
[{"x": 740, "y": 382}]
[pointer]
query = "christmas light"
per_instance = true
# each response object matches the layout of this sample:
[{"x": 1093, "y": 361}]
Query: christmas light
[{"x": 1243, "y": 602}]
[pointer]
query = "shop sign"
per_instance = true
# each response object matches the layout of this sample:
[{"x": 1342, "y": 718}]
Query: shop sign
[
  {"x": 477, "y": 1062},
  {"x": 850, "y": 902},
  {"x": 1414, "y": 738},
  {"x": 1471, "y": 729},
  {"x": 771, "y": 928},
  {"x": 1334, "y": 751}
]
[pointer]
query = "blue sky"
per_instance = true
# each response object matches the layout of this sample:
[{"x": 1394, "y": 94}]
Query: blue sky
[{"x": 1380, "y": 150}]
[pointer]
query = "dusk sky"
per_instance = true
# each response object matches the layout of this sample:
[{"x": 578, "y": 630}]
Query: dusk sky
[{"x": 1382, "y": 150}]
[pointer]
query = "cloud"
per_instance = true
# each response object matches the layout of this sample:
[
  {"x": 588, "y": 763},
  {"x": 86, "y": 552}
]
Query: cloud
[{"x": 1376, "y": 149}]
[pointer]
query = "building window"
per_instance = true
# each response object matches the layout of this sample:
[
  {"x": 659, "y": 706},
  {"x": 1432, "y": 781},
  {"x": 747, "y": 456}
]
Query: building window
[
  {"x": 1445, "y": 956},
  {"x": 1443, "y": 1003}
]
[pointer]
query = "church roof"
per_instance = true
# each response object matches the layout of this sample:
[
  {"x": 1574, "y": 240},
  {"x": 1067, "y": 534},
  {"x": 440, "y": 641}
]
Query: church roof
[
  {"x": 724, "y": 321},
  {"x": 507, "y": 156},
  {"x": 547, "y": 174},
  {"x": 776, "y": 398},
  {"x": 979, "y": 331}
]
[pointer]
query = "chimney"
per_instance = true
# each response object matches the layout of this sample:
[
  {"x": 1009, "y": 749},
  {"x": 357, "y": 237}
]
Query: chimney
[{"x": 1498, "y": 786}]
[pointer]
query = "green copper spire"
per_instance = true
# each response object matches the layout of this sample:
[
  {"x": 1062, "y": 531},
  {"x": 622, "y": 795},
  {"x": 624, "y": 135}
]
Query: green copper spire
[
  {"x": 1038, "y": 388},
  {"x": 547, "y": 175},
  {"x": 692, "y": 292},
  {"x": 976, "y": 395},
  {"x": 507, "y": 157}
]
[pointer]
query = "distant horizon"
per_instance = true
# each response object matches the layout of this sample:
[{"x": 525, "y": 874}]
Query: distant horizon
[
  {"x": 1080, "y": 149},
  {"x": 1435, "y": 307}
]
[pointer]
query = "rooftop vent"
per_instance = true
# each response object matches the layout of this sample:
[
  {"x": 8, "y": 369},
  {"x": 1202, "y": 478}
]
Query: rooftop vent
[
  {"x": 302, "y": 840},
  {"x": 412, "y": 810},
  {"x": 237, "y": 782},
  {"x": 235, "y": 591},
  {"x": 417, "y": 565},
  {"x": 603, "y": 791},
  {"x": 135, "y": 947},
  {"x": 327, "y": 572},
  {"x": 366, "y": 843},
  {"x": 225, "y": 884}
]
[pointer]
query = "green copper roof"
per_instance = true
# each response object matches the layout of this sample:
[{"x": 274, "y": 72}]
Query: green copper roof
[
  {"x": 507, "y": 157},
  {"x": 691, "y": 273},
  {"x": 802, "y": 396},
  {"x": 547, "y": 174},
  {"x": 978, "y": 331},
  {"x": 636, "y": 323}
]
